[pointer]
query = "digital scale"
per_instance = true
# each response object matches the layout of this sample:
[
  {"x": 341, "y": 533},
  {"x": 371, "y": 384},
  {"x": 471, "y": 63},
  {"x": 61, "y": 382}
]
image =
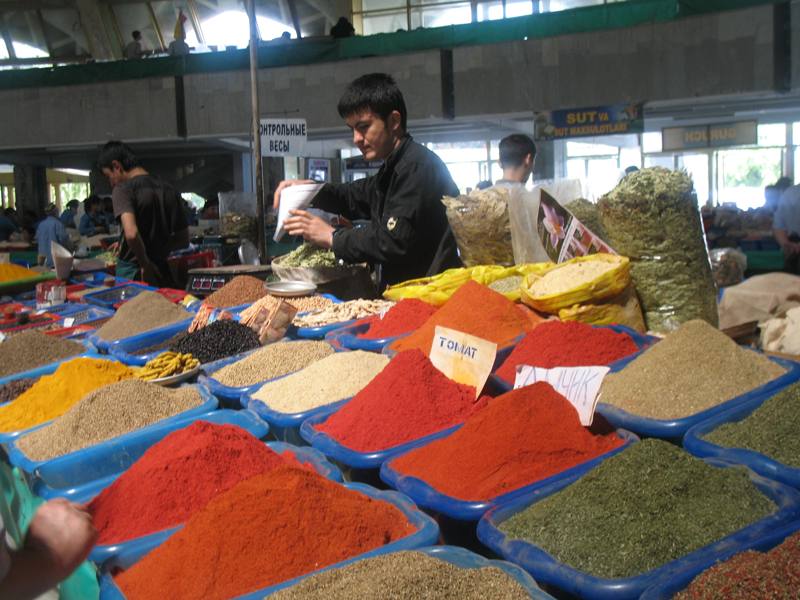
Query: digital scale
[{"x": 203, "y": 282}]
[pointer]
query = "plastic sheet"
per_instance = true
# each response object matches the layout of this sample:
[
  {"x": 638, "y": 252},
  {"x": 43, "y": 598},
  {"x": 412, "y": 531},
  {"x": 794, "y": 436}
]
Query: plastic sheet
[
  {"x": 545, "y": 569},
  {"x": 760, "y": 463},
  {"x": 430, "y": 498},
  {"x": 427, "y": 533},
  {"x": 83, "y": 465},
  {"x": 674, "y": 429}
]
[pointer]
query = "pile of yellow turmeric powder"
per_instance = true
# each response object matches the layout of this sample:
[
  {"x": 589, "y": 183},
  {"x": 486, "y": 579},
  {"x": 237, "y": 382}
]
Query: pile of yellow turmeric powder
[
  {"x": 12, "y": 272},
  {"x": 55, "y": 394}
]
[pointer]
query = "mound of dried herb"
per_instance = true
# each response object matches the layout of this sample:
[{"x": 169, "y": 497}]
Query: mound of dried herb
[
  {"x": 646, "y": 506},
  {"x": 652, "y": 217},
  {"x": 586, "y": 212}
]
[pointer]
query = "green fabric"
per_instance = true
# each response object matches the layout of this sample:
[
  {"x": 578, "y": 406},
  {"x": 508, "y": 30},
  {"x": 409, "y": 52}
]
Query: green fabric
[
  {"x": 580, "y": 20},
  {"x": 127, "y": 270},
  {"x": 17, "y": 506}
]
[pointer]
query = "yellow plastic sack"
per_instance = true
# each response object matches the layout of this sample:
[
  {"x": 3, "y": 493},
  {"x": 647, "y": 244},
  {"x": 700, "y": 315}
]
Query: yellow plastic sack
[
  {"x": 619, "y": 310},
  {"x": 581, "y": 280}
]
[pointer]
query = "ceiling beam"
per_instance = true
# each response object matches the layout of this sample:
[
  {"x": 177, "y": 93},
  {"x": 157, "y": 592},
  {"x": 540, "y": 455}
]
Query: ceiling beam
[{"x": 7, "y": 38}]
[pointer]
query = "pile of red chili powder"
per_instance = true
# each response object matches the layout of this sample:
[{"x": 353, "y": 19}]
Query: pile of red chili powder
[
  {"x": 520, "y": 438},
  {"x": 477, "y": 310},
  {"x": 265, "y": 530},
  {"x": 404, "y": 317},
  {"x": 177, "y": 477},
  {"x": 567, "y": 344},
  {"x": 408, "y": 400}
]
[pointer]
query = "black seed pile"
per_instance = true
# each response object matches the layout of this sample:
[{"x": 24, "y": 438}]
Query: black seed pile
[
  {"x": 219, "y": 340},
  {"x": 12, "y": 389}
]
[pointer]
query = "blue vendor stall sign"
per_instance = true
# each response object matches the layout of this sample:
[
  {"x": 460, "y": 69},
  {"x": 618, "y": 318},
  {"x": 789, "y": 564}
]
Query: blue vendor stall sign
[{"x": 614, "y": 119}]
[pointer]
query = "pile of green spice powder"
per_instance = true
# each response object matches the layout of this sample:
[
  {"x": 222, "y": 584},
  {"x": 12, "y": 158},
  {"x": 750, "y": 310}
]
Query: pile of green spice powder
[
  {"x": 751, "y": 576},
  {"x": 648, "y": 505},
  {"x": 772, "y": 429}
]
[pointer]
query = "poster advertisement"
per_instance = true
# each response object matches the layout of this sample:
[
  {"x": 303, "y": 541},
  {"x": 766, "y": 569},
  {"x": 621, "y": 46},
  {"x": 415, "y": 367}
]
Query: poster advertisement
[
  {"x": 563, "y": 236},
  {"x": 594, "y": 121}
]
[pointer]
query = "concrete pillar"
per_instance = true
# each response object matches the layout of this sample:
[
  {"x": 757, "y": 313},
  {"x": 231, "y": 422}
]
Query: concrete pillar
[
  {"x": 30, "y": 189},
  {"x": 96, "y": 30},
  {"x": 544, "y": 167},
  {"x": 242, "y": 173}
]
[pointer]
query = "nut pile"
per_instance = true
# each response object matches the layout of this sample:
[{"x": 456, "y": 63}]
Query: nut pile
[{"x": 346, "y": 311}]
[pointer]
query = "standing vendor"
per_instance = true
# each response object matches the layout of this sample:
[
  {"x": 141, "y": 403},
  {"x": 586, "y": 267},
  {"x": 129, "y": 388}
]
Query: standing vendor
[
  {"x": 786, "y": 228},
  {"x": 152, "y": 218},
  {"x": 50, "y": 229},
  {"x": 408, "y": 235}
]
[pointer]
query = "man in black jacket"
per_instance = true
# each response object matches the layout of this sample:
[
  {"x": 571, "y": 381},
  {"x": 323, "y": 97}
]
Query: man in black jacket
[{"x": 407, "y": 235}]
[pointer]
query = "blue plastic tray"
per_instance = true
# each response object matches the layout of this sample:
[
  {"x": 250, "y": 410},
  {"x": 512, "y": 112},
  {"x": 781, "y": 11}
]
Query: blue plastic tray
[
  {"x": 82, "y": 314},
  {"x": 675, "y": 429},
  {"x": 108, "y": 297},
  {"x": 129, "y": 451},
  {"x": 6, "y": 438},
  {"x": 315, "y": 333},
  {"x": 225, "y": 391},
  {"x": 123, "y": 349},
  {"x": 347, "y": 337},
  {"x": 642, "y": 342},
  {"x": 426, "y": 496},
  {"x": 134, "y": 549},
  {"x": 359, "y": 460},
  {"x": 286, "y": 425},
  {"x": 81, "y": 466},
  {"x": 97, "y": 279},
  {"x": 426, "y": 534},
  {"x": 666, "y": 587},
  {"x": 546, "y": 569},
  {"x": 760, "y": 463}
]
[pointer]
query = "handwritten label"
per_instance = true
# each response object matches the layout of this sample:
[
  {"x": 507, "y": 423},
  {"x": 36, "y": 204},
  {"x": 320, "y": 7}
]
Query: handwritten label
[
  {"x": 462, "y": 357},
  {"x": 69, "y": 322},
  {"x": 579, "y": 385}
]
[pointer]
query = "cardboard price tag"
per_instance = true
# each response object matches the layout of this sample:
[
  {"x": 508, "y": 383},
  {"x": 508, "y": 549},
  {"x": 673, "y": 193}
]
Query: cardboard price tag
[
  {"x": 579, "y": 385},
  {"x": 69, "y": 322},
  {"x": 462, "y": 357}
]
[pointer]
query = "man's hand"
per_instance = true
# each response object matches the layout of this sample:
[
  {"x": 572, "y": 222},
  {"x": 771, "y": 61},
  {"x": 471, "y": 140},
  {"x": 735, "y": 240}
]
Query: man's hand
[
  {"x": 313, "y": 229},
  {"x": 61, "y": 534},
  {"x": 276, "y": 198}
]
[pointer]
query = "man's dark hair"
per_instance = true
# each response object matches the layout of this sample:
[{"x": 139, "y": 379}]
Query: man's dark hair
[
  {"x": 783, "y": 183},
  {"x": 115, "y": 150},
  {"x": 377, "y": 92},
  {"x": 136, "y": 34},
  {"x": 73, "y": 204},
  {"x": 514, "y": 148}
]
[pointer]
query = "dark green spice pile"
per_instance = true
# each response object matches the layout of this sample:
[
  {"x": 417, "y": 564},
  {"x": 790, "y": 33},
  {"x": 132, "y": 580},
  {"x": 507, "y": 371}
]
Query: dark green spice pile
[
  {"x": 751, "y": 576},
  {"x": 644, "y": 507},
  {"x": 406, "y": 575},
  {"x": 219, "y": 340},
  {"x": 772, "y": 429}
]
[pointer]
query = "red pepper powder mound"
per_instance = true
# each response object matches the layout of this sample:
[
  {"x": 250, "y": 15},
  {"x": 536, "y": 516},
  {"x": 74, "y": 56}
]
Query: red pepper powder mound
[
  {"x": 567, "y": 344},
  {"x": 520, "y": 438},
  {"x": 751, "y": 575},
  {"x": 477, "y": 310},
  {"x": 177, "y": 477},
  {"x": 265, "y": 530},
  {"x": 408, "y": 400},
  {"x": 404, "y": 317}
]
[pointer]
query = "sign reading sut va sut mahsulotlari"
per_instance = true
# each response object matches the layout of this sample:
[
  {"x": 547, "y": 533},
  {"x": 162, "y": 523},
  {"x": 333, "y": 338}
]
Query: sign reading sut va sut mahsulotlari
[{"x": 614, "y": 119}]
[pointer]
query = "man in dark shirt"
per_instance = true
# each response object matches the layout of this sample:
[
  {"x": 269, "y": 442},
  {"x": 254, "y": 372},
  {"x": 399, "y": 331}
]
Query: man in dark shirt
[
  {"x": 408, "y": 235},
  {"x": 151, "y": 215}
]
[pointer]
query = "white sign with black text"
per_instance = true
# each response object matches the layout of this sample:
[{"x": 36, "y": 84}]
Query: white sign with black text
[
  {"x": 579, "y": 385},
  {"x": 283, "y": 137}
]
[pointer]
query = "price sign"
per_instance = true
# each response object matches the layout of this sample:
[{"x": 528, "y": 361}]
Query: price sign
[
  {"x": 462, "y": 357},
  {"x": 579, "y": 385}
]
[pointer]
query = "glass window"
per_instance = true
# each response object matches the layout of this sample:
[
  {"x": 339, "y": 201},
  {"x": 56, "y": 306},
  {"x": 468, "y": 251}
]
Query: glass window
[
  {"x": 796, "y": 133},
  {"x": 385, "y": 23},
  {"x": 3, "y": 50},
  {"x": 454, "y": 14},
  {"x": 497, "y": 172},
  {"x": 576, "y": 168},
  {"x": 602, "y": 175},
  {"x": 630, "y": 157},
  {"x": 494, "y": 150},
  {"x": 64, "y": 31},
  {"x": 167, "y": 17},
  {"x": 369, "y": 5},
  {"x": 697, "y": 167},
  {"x": 490, "y": 11},
  {"x": 743, "y": 174},
  {"x": 588, "y": 149},
  {"x": 651, "y": 141},
  {"x": 665, "y": 160},
  {"x": 772, "y": 134},
  {"x": 556, "y": 5},
  {"x": 135, "y": 17},
  {"x": 519, "y": 9}
]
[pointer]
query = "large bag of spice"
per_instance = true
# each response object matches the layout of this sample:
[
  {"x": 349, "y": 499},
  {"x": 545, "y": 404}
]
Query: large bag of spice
[
  {"x": 481, "y": 226},
  {"x": 652, "y": 217}
]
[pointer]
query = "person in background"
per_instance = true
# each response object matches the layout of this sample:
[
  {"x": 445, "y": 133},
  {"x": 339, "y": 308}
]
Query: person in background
[
  {"x": 483, "y": 185},
  {"x": 68, "y": 216},
  {"x": 517, "y": 156},
  {"x": 151, "y": 214},
  {"x": 134, "y": 48},
  {"x": 92, "y": 221},
  {"x": 786, "y": 228},
  {"x": 7, "y": 226},
  {"x": 407, "y": 235},
  {"x": 51, "y": 229},
  {"x": 772, "y": 196},
  {"x": 342, "y": 29},
  {"x": 178, "y": 46},
  {"x": 108, "y": 212}
]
